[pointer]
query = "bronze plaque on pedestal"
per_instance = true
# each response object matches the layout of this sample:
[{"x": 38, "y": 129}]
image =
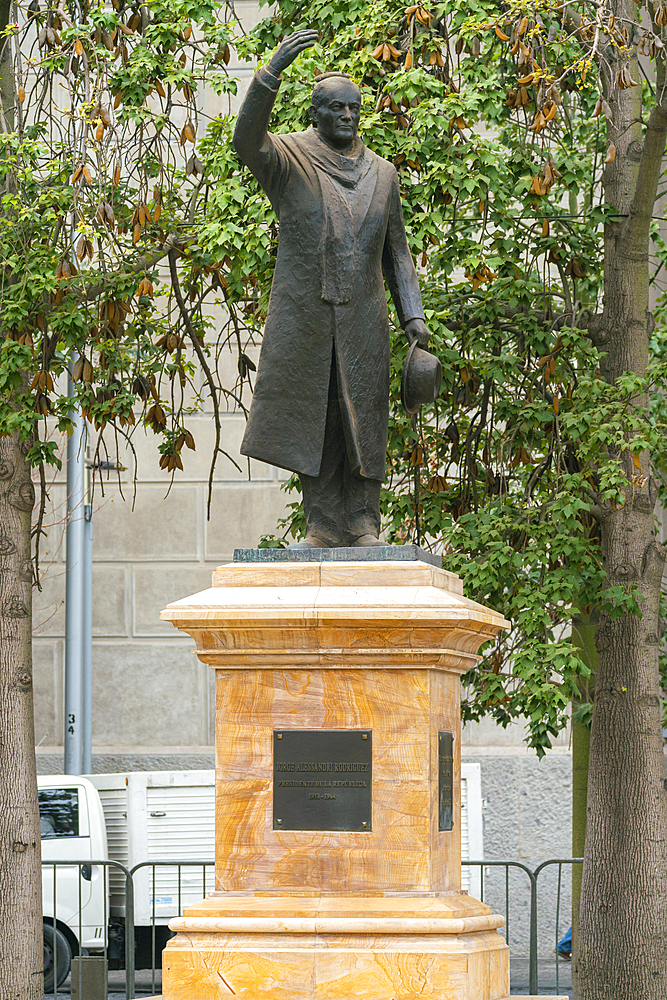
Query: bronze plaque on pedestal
[
  {"x": 322, "y": 779},
  {"x": 445, "y": 781}
]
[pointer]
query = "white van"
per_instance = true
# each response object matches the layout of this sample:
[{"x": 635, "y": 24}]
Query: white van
[{"x": 131, "y": 817}]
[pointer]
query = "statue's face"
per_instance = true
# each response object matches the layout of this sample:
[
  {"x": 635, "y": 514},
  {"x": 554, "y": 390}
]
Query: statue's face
[{"x": 337, "y": 117}]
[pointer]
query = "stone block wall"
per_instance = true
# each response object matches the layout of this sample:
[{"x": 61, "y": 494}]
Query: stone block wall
[{"x": 150, "y": 693}]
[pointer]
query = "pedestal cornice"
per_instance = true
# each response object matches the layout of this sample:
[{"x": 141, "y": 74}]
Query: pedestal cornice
[{"x": 335, "y": 615}]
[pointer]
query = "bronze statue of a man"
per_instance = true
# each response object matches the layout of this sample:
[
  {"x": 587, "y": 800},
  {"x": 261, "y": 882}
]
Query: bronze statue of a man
[{"x": 321, "y": 401}]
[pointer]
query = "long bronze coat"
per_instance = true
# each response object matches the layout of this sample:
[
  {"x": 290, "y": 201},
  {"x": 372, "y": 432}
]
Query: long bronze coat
[{"x": 341, "y": 224}]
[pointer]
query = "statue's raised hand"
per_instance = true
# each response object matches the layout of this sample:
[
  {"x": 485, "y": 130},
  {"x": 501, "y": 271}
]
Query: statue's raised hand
[{"x": 290, "y": 48}]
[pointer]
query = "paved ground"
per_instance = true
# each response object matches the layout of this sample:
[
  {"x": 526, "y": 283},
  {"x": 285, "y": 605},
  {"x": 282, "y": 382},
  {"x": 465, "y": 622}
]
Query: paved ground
[
  {"x": 147, "y": 986},
  {"x": 546, "y": 972}
]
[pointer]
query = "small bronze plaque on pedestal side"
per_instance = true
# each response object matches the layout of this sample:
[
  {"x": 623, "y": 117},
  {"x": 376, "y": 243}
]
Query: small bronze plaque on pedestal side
[
  {"x": 445, "y": 781},
  {"x": 322, "y": 779}
]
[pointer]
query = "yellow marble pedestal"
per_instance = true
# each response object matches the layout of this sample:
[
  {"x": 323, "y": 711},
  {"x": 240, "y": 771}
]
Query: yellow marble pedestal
[{"x": 336, "y": 915}]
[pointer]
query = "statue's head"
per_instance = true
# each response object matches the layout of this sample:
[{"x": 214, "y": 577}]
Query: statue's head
[{"x": 335, "y": 109}]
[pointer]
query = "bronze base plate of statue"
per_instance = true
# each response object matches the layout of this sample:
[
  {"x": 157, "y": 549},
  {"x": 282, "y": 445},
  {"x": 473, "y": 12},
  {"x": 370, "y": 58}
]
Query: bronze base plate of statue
[{"x": 370, "y": 553}]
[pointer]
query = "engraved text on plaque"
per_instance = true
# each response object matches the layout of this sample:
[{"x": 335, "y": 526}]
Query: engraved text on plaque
[
  {"x": 445, "y": 781},
  {"x": 322, "y": 779}
]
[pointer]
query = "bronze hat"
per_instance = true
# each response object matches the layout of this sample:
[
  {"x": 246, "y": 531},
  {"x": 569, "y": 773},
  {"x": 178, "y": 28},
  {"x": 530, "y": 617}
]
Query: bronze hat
[{"x": 420, "y": 382}]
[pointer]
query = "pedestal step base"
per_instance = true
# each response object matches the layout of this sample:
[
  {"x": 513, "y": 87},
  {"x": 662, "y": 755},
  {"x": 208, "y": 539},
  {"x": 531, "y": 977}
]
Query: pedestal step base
[{"x": 337, "y": 948}]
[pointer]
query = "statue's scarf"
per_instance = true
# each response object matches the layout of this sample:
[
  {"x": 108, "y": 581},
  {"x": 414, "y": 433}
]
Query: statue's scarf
[{"x": 347, "y": 184}]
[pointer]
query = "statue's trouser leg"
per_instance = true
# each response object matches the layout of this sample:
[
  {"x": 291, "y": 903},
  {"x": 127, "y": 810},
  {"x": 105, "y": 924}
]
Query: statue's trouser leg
[
  {"x": 323, "y": 495},
  {"x": 362, "y": 505}
]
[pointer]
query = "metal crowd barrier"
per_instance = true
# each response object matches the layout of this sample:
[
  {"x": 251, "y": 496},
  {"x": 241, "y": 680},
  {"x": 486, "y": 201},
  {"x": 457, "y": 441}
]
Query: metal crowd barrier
[
  {"x": 154, "y": 897},
  {"x": 151, "y": 875},
  {"x": 540, "y": 868},
  {"x": 533, "y": 877},
  {"x": 64, "y": 914}
]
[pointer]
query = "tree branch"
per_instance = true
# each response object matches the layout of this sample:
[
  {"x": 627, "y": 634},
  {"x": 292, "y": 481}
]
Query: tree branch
[
  {"x": 143, "y": 264},
  {"x": 185, "y": 315},
  {"x": 650, "y": 170}
]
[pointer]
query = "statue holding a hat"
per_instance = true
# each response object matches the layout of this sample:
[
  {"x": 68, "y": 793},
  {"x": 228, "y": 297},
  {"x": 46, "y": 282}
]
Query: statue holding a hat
[{"x": 321, "y": 400}]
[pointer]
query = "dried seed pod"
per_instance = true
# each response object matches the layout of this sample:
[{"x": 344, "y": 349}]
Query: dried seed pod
[
  {"x": 549, "y": 111},
  {"x": 538, "y": 123},
  {"x": 41, "y": 404},
  {"x": 187, "y": 133},
  {"x": 141, "y": 387},
  {"x": 194, "y": 166}
]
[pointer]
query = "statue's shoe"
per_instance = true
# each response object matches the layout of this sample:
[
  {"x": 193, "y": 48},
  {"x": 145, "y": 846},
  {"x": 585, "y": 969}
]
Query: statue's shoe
[
  {"x": 366, "y": 540},
  {"x": 309, "y": 542}
]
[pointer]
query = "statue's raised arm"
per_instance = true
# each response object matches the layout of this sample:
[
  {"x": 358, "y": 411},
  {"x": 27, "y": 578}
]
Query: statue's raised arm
[
  {"x": 250, "y": 134},
  {"x": 321, "y": 400}
]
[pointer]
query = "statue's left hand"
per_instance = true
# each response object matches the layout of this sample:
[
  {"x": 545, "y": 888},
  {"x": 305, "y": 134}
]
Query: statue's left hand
[{"x": 416, "y": 329}]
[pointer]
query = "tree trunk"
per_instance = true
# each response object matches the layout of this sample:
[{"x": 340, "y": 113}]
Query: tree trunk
[
  {"x": 584, "y": 628},
  {"x": 21, "y": 941},
  {"x": 623, "y": 912},
  {"x": 21, "y": 957}
]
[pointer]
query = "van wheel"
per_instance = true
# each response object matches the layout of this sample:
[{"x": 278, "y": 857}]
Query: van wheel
[{"x": 57, "y": 958}]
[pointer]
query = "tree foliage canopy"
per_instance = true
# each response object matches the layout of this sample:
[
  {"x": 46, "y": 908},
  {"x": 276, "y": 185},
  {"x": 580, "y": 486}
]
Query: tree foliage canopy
[{"x": 495, "y": 116}]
